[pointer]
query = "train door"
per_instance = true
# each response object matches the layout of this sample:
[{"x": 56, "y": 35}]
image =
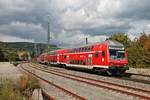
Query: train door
[
  {"x": 68, "y": 59},
  {"x": 103, "y": 58},
  {"x": 90, "y": 59},
  {"x": 57, "y": 58}
]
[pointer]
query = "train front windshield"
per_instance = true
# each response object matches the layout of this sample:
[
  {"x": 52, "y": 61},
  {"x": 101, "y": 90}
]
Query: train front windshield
[{"x": 117, "y": 54}]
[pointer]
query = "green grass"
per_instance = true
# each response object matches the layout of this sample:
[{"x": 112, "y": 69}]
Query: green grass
[
  {"x": 17, "y": 90},
  {"x": 9, "y": 91}
]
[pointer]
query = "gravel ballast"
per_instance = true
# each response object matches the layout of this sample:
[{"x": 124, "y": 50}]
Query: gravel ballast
[{"x": 85, "y": 90}]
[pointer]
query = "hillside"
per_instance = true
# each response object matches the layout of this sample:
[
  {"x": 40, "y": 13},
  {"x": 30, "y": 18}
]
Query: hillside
[
  {"x": 27, "y": 46},
  {"x": 9, "y": 49}
]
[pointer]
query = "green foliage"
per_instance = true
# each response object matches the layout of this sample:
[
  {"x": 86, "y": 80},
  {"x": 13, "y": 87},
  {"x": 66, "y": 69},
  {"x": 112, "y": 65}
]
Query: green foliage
[
  {"x": 9, "y": 91},
  {"x": 138, "y": 50},
  {"x": 28, "y": 84},
  {"x": 8, "y": 51},
  {"x": 1, "y": 55},
  {"x": 22, "y": 90},
  {"x": 122, "y": 38},
  {"x": 13, "y": 56}
]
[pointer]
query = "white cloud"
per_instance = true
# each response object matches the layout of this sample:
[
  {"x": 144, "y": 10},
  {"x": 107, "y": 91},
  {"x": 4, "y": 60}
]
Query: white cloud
[
  {"x": 24, "y": 30},
  {"x": 139, "y": 27},
  {"x": 72, "y": 20}
]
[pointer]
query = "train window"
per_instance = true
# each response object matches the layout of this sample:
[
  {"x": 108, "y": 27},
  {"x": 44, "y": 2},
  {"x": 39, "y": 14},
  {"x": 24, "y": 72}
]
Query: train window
[
  {"x": 89, "y": 48},
  {"x": 84, "y": 62},
  {"x": 103, "y": 54},
  {"x": 84, "y": 48},
  {"x": 96, "y": 54},
  {"x": 70, "y": 61},
  {"x": 76, "y": 61},
  {"x": 65, "y": 56},
  {"x": 80, "y": 62},
  {"x": 75, "y": 50},
  {"x": 79, "y": 50}
]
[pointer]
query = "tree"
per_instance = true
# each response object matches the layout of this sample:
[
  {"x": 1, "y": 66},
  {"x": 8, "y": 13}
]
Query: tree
[
  {"x": 122, "y": 38},
  {"x": 2, "y": 57},
  {"x": 13, "y": 56},
  {"x": 139, "y": 52},
  {"x": 147, "y": 52}
]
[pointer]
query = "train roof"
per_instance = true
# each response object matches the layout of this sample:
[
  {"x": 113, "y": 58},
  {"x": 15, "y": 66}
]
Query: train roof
[
  {"x": 110, "y": 43},
  {"x": 107, "y": 42},
  {"x": 113, "y": 43}
]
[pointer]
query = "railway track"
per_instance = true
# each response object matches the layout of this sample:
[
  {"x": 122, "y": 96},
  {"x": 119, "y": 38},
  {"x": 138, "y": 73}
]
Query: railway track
[
  {"x": 65, "y": 91},
  {"x": 127, "y": 77},
  {"x": 136, "y": 78},
  {"x": 138, "y": 74},
  {"x": 136, "y": 92}
]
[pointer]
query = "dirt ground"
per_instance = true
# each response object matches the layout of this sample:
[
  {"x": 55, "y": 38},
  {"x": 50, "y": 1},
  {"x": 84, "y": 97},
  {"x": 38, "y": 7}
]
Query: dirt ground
[
  {"x": 8, "y": 70},
  {"x": 145, "y": 71}
]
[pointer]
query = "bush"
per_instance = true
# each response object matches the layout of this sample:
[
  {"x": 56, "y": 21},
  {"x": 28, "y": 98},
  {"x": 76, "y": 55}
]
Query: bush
[{"x": 9, "y": 91}]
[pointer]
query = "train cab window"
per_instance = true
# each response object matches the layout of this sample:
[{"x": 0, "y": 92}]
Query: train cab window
[
  {"x": 103, "y": 54},
  {"x": 96, "y": 54}
]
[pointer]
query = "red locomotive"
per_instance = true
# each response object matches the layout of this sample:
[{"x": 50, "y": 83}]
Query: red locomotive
[{"x": 109, "y": 56}]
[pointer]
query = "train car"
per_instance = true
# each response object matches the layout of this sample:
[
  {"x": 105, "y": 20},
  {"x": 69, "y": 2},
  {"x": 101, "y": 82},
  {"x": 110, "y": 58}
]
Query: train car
[
  {"x": 109, "y": 56},
  {"x": 42, "y": 58}
]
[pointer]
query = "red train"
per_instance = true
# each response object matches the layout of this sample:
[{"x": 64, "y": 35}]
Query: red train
[{"x": 109, "y": 56}]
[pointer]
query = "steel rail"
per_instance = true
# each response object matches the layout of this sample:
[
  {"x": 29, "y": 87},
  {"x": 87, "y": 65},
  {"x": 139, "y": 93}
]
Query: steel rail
[
  {"x": 57, "y": 86},
  {"x": 58, "y": 73}
]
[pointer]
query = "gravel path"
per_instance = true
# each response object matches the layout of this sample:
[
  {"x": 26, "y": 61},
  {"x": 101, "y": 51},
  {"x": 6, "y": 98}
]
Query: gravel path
[
  {"x": 8, "y": 70},
  {"x": 145, "y": 71}
]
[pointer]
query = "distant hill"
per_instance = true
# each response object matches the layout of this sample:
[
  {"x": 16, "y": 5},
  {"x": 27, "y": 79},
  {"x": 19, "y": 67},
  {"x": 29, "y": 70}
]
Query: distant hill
[
  {"x": 26, "y": 46},
  {"x": 9, "y": 48}
]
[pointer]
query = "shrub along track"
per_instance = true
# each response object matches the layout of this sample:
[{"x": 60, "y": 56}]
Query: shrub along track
[
  {"x": 141, "y": 93},
  {"x": 65, "y": 91}
]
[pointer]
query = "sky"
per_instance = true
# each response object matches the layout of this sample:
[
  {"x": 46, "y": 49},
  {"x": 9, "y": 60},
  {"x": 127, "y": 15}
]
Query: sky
[{"x": 71, "y": 21}]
